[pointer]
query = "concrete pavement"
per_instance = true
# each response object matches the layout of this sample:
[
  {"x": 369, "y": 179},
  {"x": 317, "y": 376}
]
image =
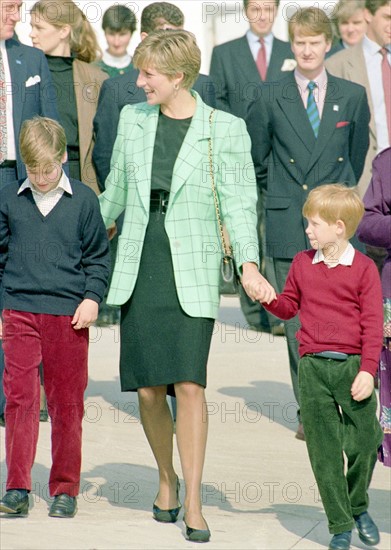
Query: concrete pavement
[{"x": 258, "y": 490}]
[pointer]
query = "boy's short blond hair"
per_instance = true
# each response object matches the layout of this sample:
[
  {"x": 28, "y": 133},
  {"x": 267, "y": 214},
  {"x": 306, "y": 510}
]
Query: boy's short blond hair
[
  {"x": 170, "y": 52},
  {"x": 42, "y": 141},
  {"x": 334, "y": 202},
  {"x": 310, "y": 22}
]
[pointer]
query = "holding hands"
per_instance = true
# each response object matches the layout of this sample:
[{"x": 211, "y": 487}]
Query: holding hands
[{"x": 255, "y": 285}]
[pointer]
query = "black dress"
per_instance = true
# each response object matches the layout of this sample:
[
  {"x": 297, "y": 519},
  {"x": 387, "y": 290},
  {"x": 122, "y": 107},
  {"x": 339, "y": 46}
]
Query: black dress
[{"x": 160, "y": 343}]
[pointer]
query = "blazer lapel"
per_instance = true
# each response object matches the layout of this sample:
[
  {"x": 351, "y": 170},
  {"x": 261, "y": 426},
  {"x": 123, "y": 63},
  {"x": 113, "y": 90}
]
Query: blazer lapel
[
  {"x": 18, "y": 70},
  {"x": 148, "y": 124},
  {"x": 277, "y": 58},
  {"x": 85, "y": 109},
  {"x": 244, "y": 62},
  {"x": 358, "y": 73},
  {"x": 291, "y": 103},
  {"x": 191, "y": 153},
  {"x": 333, "y": 105}
]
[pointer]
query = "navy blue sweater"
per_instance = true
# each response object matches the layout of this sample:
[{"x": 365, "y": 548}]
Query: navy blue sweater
[{"x": 49, "y": 264}]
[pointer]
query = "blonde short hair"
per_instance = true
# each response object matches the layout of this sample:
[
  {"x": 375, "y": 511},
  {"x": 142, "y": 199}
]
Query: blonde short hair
[
  {"x": 347, "y": 8},
  {"x": 41, "y": 141},
  {"x": 310, "y": 22},
  {"x": 333, "y": 202},
  {"x": 170, "y": 52}
]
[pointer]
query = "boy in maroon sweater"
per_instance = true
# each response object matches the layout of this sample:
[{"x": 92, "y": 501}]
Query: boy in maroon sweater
[{"x": 336, "y": 291}]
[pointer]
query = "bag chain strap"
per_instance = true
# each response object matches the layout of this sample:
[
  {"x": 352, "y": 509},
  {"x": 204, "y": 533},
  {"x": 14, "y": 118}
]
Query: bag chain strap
[{"x": 227, "y": 250}]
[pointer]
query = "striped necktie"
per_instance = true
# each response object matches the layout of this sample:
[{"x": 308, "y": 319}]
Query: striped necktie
[
  {"x": 312, "y": 109},
  {"x": 3, "y": 113}
]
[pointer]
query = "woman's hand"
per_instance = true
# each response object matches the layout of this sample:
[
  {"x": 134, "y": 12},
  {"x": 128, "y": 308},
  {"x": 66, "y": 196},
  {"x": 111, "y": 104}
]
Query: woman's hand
[
  {"x": 255, "y": 285},
  {"x": 85, "y": 314},
  {"x": 111, "y": 231}
]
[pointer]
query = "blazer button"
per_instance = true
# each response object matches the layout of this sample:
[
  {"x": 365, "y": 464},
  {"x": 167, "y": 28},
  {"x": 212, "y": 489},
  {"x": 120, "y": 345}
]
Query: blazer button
[
  {"x": 292, "y": 161},
  {"x": 340, "y": 159},
  {"x": 305, "y": 187}
]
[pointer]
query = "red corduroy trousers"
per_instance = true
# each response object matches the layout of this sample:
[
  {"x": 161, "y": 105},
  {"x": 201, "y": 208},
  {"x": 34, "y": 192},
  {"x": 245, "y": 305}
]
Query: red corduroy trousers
[{"x": 28, "y": 340}]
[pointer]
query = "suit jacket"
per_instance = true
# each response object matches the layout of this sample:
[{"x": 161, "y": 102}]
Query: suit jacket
[
  {"x": 289, "y": 160},
  {"x": 115, "y": 94},
  {"x": 190, "y": 221},
  {"x": 337, "y": 47},
  {"x": 31, "y": 81},
  {"x": 88, "y": 81},
  {"x": 350, "y": 64},
  {"x": 236, "y": 76}
]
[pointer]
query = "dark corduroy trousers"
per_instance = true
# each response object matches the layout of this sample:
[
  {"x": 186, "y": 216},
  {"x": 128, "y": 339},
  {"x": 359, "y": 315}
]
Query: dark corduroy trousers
[
  {"x": 334, "y": 425},
  {"x": 28, "y": 340}
]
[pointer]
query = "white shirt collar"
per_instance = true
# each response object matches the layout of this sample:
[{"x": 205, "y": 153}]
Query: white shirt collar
[
  {"x": 254, "y": 38},
  {"x": 346, "y": 258},
  {"x": 370, "y": 47},
  {"x": 117, "y": 62},
  {"x": 64, "y": 184}
]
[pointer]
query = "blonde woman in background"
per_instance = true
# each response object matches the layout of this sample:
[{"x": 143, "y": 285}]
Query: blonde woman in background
[
  {"x": 349, "y": 24},
  {"x": 61, "y": 30}
]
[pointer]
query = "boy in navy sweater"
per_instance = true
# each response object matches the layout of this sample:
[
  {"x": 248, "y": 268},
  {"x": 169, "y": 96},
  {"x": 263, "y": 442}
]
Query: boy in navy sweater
[
  {"x": 54, "y": 267},
  {"x": 336, "y": 291}
]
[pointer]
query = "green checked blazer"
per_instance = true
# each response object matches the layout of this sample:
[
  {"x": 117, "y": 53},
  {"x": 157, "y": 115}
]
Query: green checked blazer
[{"x": 190, "y": 220}]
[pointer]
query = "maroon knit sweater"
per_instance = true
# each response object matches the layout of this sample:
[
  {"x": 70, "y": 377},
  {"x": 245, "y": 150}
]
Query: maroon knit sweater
[{"x": 340, "y": 309}]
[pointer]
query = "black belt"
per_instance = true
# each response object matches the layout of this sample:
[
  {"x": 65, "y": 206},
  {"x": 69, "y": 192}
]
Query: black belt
[
  {"x": 336, "y": 355},
  {"x": 159, "y": 201},
  {"x": 8, "y": 164}
]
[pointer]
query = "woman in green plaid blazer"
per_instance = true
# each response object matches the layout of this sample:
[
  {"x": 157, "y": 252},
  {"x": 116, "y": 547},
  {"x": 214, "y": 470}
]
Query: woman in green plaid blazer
[{"x": 167, "y": 267}]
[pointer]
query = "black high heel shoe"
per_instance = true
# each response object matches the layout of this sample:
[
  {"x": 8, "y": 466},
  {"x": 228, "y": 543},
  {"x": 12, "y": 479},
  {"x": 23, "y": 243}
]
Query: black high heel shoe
[
  {"x": 168, "y": 516},
  {"x": 197, "y": 535}
]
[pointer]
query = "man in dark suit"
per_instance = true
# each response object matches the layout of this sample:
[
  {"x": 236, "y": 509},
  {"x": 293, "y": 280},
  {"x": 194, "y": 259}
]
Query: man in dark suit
[
  {"x": 236, "y": 66},
  {"x": 24, "y": 92},
  {"x": 27, "y": 88},
  {"x": 122, "y": 90},
  {"x": 308, "y": 129}
]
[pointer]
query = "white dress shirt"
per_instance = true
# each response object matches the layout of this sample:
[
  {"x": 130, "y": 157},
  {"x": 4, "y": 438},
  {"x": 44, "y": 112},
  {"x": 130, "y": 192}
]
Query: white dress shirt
[
  {"x": 373, "y": 61},
  {"x": 11, "y": 149},
  {"x": 255, "y": 45}
]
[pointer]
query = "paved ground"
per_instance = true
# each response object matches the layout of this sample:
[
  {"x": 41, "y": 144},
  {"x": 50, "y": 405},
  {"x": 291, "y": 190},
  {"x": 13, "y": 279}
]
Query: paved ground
[{"x": 258, "y": 491}]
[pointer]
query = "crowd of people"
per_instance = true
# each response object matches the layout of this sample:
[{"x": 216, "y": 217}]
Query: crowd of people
[{"x": 116, "y": 170}]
